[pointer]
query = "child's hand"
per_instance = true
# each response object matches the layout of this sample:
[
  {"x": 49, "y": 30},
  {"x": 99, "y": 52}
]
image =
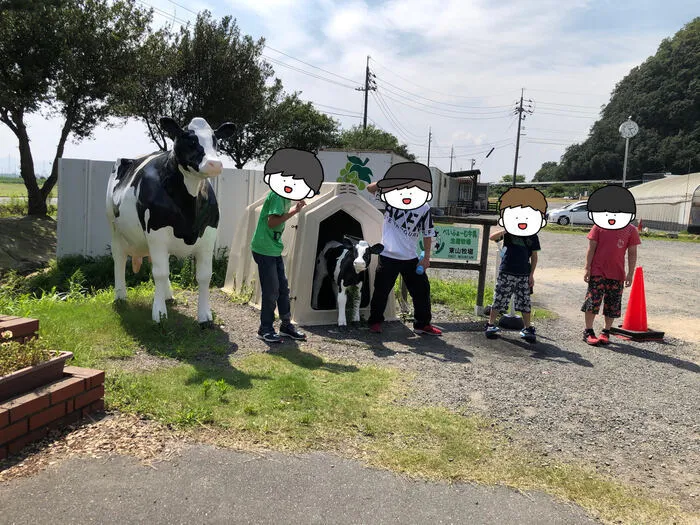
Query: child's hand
[
  {"x": 299, "y": 206},
  {"x": 532, "y": 281},
  {"x": 425, "y": 263},
  {"x": 587, "y": 275},
  {"x": 628, "y": 280}
]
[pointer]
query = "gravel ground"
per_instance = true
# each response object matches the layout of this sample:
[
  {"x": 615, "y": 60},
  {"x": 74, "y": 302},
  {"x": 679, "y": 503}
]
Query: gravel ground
[{"x": 629, "y": 409}]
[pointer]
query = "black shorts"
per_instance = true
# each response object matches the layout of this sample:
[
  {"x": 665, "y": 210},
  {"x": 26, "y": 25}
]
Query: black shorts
[{"x": 598, "y": 288}]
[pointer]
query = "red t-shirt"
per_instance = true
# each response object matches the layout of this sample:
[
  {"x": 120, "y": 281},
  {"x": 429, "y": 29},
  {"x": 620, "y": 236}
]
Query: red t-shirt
[{"x": 609, "y": 257}]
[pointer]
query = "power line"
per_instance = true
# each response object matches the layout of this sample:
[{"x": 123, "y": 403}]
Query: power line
[
  {"x": 396, "y": 126},
  {"x": 434, "y": 90},
  {"x": 314, "y": 75},
  {"x": 386, "y": 105},
  {"x": 311, "y": 65},
  {"x": 442, "y": 114},
  {"x": 438, "y": 101}
]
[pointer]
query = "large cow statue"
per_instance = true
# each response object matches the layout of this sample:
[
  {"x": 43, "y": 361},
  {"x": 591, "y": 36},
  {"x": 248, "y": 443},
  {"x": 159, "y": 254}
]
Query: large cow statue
[
  {"x": 346, "y": 264},
  {"x": 162, "y": 204}
]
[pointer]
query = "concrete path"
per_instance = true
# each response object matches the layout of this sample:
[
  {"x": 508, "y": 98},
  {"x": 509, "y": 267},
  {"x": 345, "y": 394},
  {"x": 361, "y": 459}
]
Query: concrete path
[{"x": 210, "y": 485}]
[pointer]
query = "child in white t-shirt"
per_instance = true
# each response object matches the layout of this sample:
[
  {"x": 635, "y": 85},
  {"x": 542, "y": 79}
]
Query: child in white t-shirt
[{"x": 406, "y": 189}]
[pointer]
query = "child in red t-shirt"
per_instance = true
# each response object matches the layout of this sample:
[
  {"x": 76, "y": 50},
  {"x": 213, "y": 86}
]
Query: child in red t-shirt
[{"x": 611, "y": 208}]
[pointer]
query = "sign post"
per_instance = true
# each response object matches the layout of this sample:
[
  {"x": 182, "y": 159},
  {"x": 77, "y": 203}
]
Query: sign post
[{"x": 456, "y": 246}]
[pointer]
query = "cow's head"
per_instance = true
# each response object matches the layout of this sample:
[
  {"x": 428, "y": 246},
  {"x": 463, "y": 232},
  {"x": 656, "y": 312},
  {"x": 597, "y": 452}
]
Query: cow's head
[
  {"x": 361, "y": 253},
  {"x": 194, "y": 148}
]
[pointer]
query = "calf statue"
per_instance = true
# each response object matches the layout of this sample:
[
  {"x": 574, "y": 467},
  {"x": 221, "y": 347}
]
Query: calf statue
[
  {"x": 346, "y": 264},
  {"x": 162, "y": 204}
]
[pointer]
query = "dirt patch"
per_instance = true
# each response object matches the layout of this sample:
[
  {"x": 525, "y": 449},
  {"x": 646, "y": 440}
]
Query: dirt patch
[
  {"x": 26, "y": 243},
  {"x": 111, "y": 434}
]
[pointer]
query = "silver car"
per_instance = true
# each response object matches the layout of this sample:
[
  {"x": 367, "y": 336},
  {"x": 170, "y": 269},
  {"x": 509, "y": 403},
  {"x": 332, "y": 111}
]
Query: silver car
[{"x": 574, "y": 213}]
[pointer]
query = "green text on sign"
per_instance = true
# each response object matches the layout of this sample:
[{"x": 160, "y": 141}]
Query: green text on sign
[{"x": 454, "y": 243}]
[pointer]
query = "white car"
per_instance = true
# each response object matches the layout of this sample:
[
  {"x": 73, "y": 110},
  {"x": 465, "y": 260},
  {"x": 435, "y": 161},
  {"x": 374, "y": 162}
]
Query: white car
[{"x": 574, "y": 213}]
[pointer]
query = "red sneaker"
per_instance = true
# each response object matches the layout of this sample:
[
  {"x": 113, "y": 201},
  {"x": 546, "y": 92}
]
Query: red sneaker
[
  {"x": 428, "y": 330},
  {"x": 375, "y": 328},
  {"x": 590, "y": 338},
  {"x": 604, "y": 337}
]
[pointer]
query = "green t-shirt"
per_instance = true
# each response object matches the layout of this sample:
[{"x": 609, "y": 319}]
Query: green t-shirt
[{"x": 266, "y": 240}]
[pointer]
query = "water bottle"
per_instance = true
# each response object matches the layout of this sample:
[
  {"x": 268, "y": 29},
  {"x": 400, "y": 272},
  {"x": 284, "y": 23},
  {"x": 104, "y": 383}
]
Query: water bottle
[{"x": 419, "y": 268}]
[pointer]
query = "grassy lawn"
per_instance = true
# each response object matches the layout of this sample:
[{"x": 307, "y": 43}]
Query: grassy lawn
[
  {"x": 14, "y": 187},
  {"x": 295, "y": 400},
  {"x": 583, "y": 230}
]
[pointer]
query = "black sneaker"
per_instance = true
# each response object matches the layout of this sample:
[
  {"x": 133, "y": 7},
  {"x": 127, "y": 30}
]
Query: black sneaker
[
  {"x": 491, "y": 331},
  {"x": 529, "y": 334},
  {"x": 288, "y": 330},
  {"x": 270, "y": 337}
]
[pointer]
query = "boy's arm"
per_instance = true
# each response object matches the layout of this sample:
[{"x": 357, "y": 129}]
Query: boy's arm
[
  {"x": 372, "y": 188},
  {"x": 275, "y": 220},
  {"x": 497, "y": 235},
  {"x": 427, "y": 246},
  {"x": 589, "y": 258},
  {"x": 533, "y": 265},
  {"x": 632, "y": 264}
]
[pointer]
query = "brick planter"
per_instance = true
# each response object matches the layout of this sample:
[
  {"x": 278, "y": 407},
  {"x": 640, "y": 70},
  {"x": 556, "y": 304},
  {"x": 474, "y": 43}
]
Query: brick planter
[
  {"x": 22, "y": 328},
  {"x": 30, "y": 417},
  {"x": 31, "y": 377}
]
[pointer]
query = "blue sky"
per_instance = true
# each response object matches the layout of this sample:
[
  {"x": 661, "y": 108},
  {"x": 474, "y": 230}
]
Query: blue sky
[{"x": 455, "y": 66}]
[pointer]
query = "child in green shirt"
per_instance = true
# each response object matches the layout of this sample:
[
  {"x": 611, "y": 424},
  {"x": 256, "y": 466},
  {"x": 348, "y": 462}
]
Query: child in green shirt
[{"x": 292, "y": 175}]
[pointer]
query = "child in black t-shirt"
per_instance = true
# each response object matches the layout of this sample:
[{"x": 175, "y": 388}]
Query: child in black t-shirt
[{"x": 522, "y": 216}]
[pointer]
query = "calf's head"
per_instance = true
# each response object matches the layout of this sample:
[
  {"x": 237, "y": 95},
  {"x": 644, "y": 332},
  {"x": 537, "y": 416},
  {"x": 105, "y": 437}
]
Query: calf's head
[
  {"x": 362, "y": 253},
  {"x": 194, "y": 148}
]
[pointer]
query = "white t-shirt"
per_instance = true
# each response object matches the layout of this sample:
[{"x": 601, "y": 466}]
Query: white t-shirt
[{"x": 403, "y": 229}]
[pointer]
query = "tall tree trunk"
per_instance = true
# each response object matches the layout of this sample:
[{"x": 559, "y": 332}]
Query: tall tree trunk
[
  {"x": 51, "y": 181},
  {"x": 36, "y": 203}
]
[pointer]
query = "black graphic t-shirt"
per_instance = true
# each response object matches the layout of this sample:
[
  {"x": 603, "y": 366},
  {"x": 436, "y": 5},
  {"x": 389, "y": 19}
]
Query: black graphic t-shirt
[
  {"x": 516, "y": 260},
  {"x": 403, "y": 229}
]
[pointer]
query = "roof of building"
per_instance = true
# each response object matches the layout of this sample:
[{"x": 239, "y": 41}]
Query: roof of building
[{"x": 674, "y": 187}]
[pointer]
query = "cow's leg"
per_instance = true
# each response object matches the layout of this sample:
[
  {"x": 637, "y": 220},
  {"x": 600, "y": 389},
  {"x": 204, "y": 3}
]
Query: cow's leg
[
  {"x": 342, "y": 301},
  {"x": 119, "y": 256},
  {"x": 321, "y": 273},
  {"x": 204, "y": 271},
  {"x": 161, "y": 270},
  {"x": 356, "y": 304}
]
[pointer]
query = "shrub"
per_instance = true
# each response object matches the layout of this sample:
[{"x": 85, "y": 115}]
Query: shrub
[{"x": 16, "y": 356}]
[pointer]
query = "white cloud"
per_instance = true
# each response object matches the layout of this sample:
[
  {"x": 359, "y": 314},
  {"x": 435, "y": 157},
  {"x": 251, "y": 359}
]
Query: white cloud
[{"x": 443, "y": 51}]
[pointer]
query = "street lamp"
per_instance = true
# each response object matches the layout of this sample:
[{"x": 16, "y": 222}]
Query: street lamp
[{"x": 628, "y": 129}]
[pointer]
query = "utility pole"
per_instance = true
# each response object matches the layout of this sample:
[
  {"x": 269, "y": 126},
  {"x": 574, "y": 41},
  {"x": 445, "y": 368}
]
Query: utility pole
[
  {"x": 430, "y": 138},
  {"x": 522, "y": 113},
  {"x": 473, "y": 161},
  {"x": 452, "y": 154},
  {"x": 370, "y": 85}
]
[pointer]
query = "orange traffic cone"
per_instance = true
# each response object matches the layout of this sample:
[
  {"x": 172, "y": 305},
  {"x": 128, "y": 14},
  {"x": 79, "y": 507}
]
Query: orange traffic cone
[
  {"x": 636, "y": 315},
  {"x": 634, "y": 325}
]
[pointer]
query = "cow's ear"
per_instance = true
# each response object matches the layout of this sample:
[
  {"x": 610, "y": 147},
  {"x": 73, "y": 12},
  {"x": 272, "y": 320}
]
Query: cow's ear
[
  {"x": 225, "y": 130},
  {"x": 347, "y": 243},
  {"x": 377, "y": 248},
  {"x": 170, "y": 127}
]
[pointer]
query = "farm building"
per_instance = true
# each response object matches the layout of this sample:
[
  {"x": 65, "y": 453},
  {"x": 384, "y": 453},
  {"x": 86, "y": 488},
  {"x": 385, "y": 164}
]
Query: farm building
[{"x": 670, "y": 204}]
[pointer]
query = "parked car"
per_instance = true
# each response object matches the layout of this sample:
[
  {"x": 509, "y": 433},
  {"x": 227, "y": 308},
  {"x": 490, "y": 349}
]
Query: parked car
[{"x": 574, "y": 213}]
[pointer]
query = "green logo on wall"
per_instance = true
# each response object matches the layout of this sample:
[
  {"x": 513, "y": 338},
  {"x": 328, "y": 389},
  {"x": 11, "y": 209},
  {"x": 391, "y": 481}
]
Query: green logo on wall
[{"x": 356, "y": 172}]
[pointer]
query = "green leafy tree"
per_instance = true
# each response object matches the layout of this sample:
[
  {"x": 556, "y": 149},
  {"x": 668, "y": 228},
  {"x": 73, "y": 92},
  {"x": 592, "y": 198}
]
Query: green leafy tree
[
  {"x": 69, "y": 59},
  {"x": 299, "y": 125},
  {"x": 547, "y": 173},
  {"x": 508, "y": 179},
  {"x": 663, "y": 96},
  {"x": 372, "y": 138}
]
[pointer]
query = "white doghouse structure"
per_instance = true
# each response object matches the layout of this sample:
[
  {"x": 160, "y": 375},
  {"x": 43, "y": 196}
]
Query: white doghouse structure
[{"x": 337, "y": 211}]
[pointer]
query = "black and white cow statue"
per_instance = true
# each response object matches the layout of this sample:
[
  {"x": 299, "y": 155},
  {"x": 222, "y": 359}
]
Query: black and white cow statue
[
  {"x": 162, "y": 204},
  {"x": 346, "y": 263}
]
